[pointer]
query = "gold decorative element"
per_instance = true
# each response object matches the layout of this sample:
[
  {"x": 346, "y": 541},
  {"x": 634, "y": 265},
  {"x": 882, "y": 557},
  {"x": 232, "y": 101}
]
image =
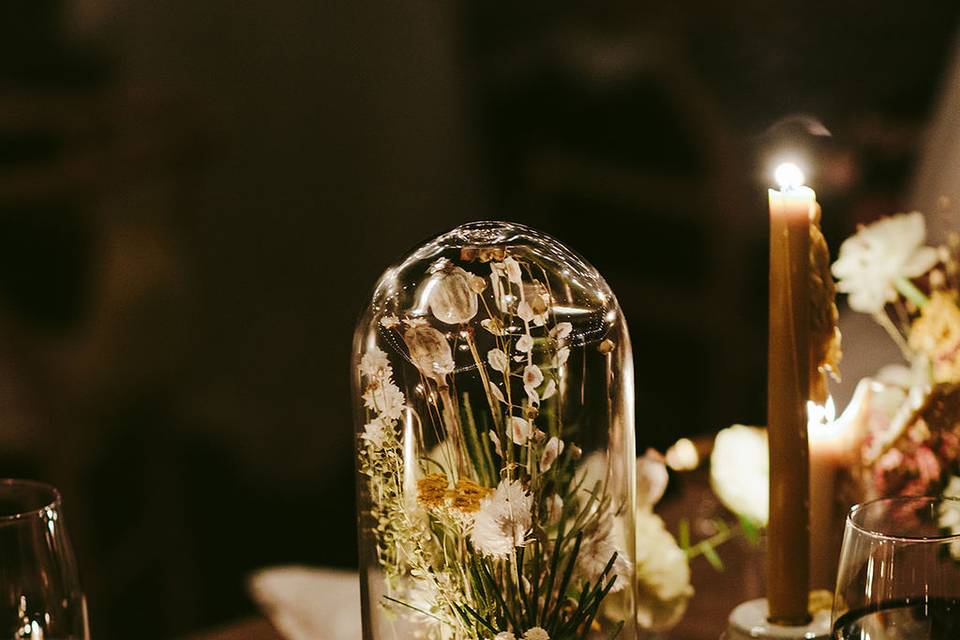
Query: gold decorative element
[{"x": 825, "y": 350}]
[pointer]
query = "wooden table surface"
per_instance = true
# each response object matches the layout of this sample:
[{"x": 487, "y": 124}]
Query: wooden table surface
[{"x": 252, "y": 629}]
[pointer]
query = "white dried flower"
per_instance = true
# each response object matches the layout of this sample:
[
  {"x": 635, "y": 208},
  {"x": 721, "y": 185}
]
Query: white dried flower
[
  {"x": 498, "y": 360},
  {"x": 501, "y": 291},
  {"x": 430, "y": 352},
  {"x": 495, "y": 390},
  {"x": 549, "y": 391},
  {"x": 452, "y": 298},
  {"x": 525, "y": 311},
  {"x": 496, "y": 442},
  {"x": 503, "y": 520},
  {"x": 532, "y": 396},
  {"x": 561, "y": 331},
  {"x": 375, "y": 364},
  {"x": 532, "y": 376},
  {"x": 683, "y": 455},
  {"x": 512, "y": 268},
  {"x": 525, "y": 343},
  {"x": 384, "y": 398},
  {"x": 879, "y": 253},
  {"x": 598, "y": 547},
  {"x": 389, "y": 321},
  {"x": 505, "y": 635},
  {"x": 375, "y": 433},
  {"x": 536, "y": 633},
  {"x": 520, "y": 430},
  {"x": 551, "y": 452},
  {"x": 740, "y": 471},
  {"x": 563, "y": 353}
]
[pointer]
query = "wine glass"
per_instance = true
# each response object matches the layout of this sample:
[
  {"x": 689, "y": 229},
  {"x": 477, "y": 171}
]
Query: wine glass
[
  {"x": 40, "y": 596},
  {"x": 899, "y": 575}
]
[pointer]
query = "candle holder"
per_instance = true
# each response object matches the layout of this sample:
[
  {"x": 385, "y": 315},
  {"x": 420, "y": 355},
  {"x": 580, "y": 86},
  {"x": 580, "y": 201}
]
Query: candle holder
[{"x": 750, "y": 621}]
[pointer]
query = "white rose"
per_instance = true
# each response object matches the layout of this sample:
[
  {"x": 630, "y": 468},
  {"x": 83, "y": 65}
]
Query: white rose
[
  {"x": 740, "y": 471},
  {"x": 663, "y": 574},
  {"x": 872, "y": 260},
  {"x": 652, "y": 479}
]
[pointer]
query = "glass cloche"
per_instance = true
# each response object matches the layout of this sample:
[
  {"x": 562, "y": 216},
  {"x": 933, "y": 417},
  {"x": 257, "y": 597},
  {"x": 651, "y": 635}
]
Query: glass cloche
[{"x": 493, "y": 382}]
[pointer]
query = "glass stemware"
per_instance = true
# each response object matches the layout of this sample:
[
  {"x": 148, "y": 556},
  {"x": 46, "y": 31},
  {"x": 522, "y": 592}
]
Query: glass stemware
[
  {"x": 899, "y": 574},
  {"x": 40, "y": 596}
]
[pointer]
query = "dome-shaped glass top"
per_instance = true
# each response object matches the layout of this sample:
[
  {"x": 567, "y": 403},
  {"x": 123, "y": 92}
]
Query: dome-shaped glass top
[{"x": 494, "y": 388}]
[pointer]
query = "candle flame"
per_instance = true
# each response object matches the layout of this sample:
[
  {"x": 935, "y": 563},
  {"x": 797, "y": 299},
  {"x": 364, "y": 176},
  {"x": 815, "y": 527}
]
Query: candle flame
[
  {"x": 821, "y": 414},
  {"x": 788, "y": 176}
]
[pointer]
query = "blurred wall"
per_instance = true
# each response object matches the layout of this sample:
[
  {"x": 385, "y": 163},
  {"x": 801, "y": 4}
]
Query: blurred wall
[{"x": 247, "y": 171}]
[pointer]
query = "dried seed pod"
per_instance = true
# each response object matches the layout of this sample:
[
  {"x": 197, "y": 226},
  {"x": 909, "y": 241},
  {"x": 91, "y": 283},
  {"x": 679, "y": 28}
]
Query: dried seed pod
[
  {"x": 430, "y": 352},
  {"x": 453, "y": 299}
]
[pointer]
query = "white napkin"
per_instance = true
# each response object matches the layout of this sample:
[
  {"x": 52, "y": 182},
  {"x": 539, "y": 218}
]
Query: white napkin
[{"x": 309, "y": 604}]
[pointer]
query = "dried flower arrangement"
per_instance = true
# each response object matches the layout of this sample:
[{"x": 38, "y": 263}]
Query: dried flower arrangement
[{"x": 487, "y": 518}]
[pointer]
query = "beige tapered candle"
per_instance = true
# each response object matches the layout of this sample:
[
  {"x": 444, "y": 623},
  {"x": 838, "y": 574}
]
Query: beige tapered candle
[
  {"x": 829, "y": 452},
  {"x": 788, "y": 532}
]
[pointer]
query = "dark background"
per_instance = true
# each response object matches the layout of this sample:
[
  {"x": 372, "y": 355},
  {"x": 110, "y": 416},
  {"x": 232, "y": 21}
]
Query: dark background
[{"x": 197, "y": 196}]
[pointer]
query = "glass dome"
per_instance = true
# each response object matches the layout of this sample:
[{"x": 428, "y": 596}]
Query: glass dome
[{"x": 493, "y": 382}]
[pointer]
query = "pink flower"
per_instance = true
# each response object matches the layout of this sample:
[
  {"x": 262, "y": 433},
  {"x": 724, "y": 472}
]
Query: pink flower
[{"x": 927, "y": 465}]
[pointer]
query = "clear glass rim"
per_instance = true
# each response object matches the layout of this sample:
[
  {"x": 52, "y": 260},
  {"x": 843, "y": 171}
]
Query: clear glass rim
[
  {"x": 48, "y": 495},
  {"x": 880, "y": 535}
]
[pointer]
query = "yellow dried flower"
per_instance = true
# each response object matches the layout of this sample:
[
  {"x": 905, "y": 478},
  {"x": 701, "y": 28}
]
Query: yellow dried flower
[
  {"x": 937, "y": 333},
  {"x": 432, "y": 490},
  {"x": 466, "y": 496}
]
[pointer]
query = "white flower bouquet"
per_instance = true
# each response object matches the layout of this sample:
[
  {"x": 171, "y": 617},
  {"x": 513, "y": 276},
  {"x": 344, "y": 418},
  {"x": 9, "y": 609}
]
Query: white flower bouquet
[{"x": 910, "y": 440}]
